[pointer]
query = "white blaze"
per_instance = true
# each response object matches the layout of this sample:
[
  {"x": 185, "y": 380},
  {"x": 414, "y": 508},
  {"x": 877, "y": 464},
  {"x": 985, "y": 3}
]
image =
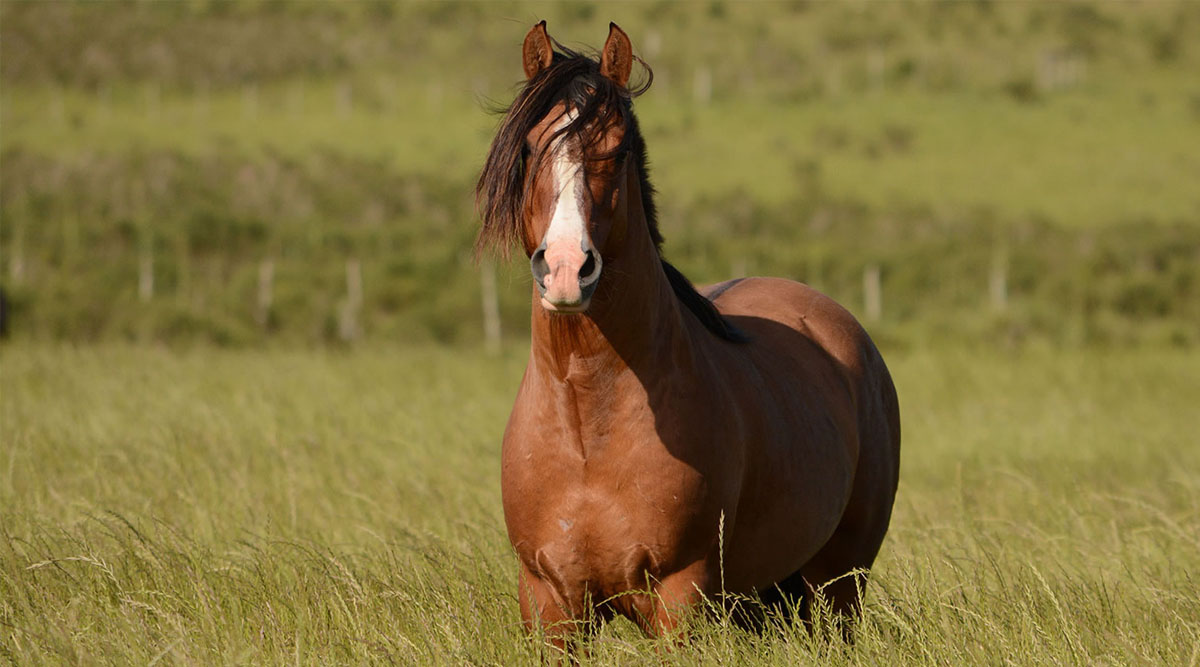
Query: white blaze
[{"x": 566, "y": 222}]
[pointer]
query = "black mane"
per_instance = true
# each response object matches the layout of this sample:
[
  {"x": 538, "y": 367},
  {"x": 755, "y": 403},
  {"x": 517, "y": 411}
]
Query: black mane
[{"x": 501, "y": 192}]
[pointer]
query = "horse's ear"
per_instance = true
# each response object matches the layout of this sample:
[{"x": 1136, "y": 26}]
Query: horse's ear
[
  {"x": 537, "y": 53},
  {"x": 616, "y": 59}
]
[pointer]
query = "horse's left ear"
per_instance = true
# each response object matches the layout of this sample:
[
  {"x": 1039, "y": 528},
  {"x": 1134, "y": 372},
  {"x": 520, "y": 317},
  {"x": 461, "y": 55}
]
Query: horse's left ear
[{"x": 616, "y": 60}]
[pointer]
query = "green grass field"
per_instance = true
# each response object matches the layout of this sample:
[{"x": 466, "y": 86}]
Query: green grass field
[
  {"x": 158, "y": 159},
  {"x": 937, "y": 127},
  {"x": 255, "y": 483},
  {"x": 220, "y": 507}
]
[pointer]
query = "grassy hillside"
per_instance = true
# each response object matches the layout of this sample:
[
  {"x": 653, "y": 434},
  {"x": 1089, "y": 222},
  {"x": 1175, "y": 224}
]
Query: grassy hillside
[
  {"x": 221, "y": 507},
  {"x": 197, "y": 142}
]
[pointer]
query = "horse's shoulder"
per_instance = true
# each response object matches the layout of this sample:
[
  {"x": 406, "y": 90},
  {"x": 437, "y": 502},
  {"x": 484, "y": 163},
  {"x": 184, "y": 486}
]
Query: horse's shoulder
[{"x": 760, "y": 304}]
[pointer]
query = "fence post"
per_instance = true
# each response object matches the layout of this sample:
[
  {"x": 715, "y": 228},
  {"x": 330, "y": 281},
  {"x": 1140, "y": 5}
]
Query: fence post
[
  {"x": 103, "y": 103},
  {"x": 345, "y": 99},
  {"x": 266, "y": 279},
  {"x": 58, "y": 104},
  {"x": 139, "y": 209},
  {"x": 250, "y": 100},
  {"x": 200, "y": 101},
  {"x": 435, "y": 93},
  {"x": 152, "y": 96},
  {"x": 70, "y": 239},
  {"x": 296, "y": 99},
  {"x": 653, "y": 44},
  {"x": 348, "y": 327},
  {"x": 702, "y": 85},
  {"x": 183, "y": 266},
  {"x": 16, "y": 252},
  {"x": 872, "y": 293},
  {"x": 146, "y": 271},
  {"x": 876, "y": 67},
  {"x": 998, "y": 278},
  {"x": 491, "y": 306}
]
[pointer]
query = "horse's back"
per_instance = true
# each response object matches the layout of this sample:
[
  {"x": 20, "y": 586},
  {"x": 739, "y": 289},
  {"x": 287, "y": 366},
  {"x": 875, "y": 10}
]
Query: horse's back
[
  {"x": 781, "y": 315},
  {"x": 760, "y": 303}
]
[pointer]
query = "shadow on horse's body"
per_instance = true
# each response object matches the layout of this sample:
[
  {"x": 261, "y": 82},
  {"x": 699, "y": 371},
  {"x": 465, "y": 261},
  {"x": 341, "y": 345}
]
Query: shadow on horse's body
[{"x": 651, "y": 417}]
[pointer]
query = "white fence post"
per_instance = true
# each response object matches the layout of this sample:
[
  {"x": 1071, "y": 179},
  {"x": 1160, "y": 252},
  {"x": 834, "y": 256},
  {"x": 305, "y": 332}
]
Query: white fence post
[
  {"x": 702, "y": 85},
  {"x": 146, "y": 271},
  {"x": 998, "y": 279},
  {"x": 266, "y": 280},
  {"x": 872, "y": 293},
  {"x": 348, "y": 325},
  {"x": 491, "y": 306}
]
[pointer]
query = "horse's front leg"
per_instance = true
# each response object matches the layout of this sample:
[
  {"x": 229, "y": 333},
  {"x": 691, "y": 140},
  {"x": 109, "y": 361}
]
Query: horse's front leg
[
  {"x": 675, "y": 597},
  {"x": 541, "y": 609}
]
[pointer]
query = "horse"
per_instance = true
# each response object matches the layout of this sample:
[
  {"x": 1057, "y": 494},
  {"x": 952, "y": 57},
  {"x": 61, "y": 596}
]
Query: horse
[{"x": 667, "y": 445}]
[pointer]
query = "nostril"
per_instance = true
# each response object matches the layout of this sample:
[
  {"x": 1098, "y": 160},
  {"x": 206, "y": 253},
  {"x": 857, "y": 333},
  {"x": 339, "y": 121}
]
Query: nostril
[
  {"x": 539, "y": 267},
  {"x": 590, "y": 271}
]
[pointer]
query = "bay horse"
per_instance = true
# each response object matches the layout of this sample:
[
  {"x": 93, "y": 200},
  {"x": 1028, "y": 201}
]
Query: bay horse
[{"x": 666, "y": 443}]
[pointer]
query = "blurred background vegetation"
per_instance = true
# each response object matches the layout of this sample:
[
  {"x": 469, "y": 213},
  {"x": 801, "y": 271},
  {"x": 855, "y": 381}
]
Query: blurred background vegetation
[{"x": 302, "y": 172}]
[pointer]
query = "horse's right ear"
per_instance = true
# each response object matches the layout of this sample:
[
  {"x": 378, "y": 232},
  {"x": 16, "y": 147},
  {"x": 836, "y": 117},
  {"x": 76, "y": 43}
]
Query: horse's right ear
[
  {"x": 616, "y": 58},
  {"x": 537, "y": 53}
]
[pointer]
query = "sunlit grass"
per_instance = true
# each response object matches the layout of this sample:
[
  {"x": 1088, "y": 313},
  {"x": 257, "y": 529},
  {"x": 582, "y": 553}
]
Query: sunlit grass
[
  {"x": 207, "y": 506},
  {"x": 385, "y": 118},
  {"x": 1085, "y": 158},
  {"x": 1107, "y": 154}
]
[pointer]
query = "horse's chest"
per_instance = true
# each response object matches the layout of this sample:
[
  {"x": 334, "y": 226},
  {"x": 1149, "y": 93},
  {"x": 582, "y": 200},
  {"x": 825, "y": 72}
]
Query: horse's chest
[
  {"x": 604, "y": 544},
  {"x": 604, "y": 528},
  {"x": 598, "y": 503}
]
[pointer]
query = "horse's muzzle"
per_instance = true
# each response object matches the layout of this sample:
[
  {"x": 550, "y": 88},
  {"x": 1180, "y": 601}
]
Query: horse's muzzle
[{"x": 566, "y": 276}]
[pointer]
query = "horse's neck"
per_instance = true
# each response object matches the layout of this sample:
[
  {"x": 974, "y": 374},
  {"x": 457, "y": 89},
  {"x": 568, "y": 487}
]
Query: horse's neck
[{"x": 635, "y": 324}]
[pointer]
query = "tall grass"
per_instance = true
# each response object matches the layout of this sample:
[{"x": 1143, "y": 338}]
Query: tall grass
[{"x": 230, "y": 507}]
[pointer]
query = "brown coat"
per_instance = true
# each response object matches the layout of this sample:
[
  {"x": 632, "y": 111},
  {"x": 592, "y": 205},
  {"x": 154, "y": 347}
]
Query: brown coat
[{"x": 645, "y": 437}]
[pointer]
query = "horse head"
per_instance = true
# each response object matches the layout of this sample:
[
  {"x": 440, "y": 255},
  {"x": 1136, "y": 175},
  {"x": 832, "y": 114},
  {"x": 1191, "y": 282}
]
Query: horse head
[{"x": 571, "y": 132}]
